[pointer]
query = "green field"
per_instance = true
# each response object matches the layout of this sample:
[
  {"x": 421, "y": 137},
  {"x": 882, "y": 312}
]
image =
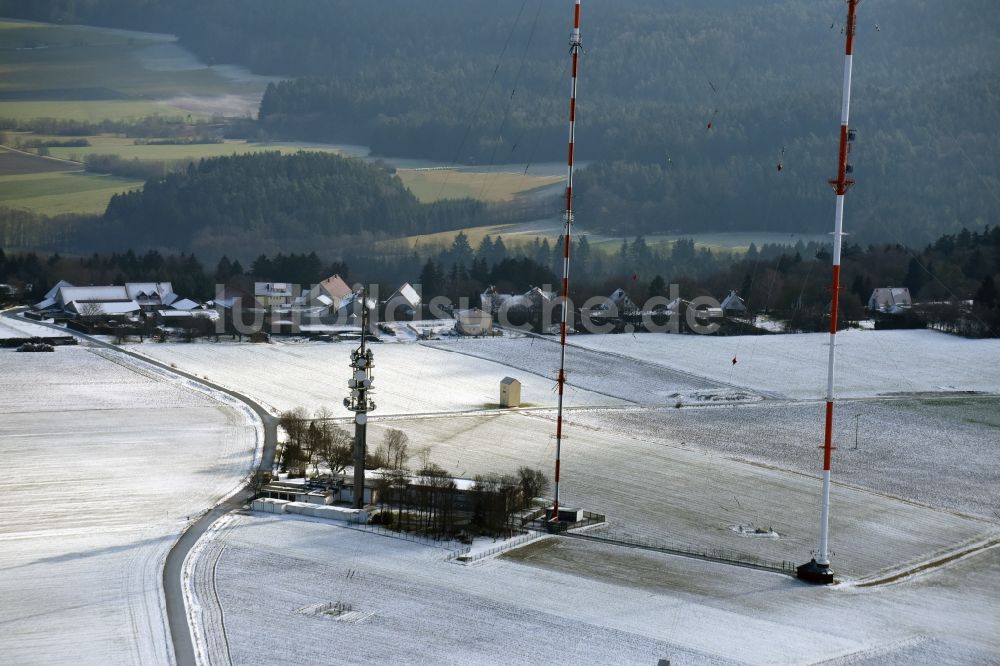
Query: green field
[
  {"x": 13, "y": 162},
  {"x": 126, "y": 148},
  {"x": 62, "y": 192},
  {"x": 87, "y": 111},
  {"x": 430, "y": 185},
  {"x": 93, "y": 74}
]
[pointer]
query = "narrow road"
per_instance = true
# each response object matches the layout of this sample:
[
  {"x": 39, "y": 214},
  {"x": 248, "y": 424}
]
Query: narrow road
[{"x": 173, "y": 589}]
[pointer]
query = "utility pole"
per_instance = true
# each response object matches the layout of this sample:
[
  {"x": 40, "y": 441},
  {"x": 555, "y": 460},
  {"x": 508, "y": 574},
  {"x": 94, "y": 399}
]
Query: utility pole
[
  {"x": 575, "y": 46},
  {"x": 359, "y": 402},
  {"x": 818, "y": 569}
]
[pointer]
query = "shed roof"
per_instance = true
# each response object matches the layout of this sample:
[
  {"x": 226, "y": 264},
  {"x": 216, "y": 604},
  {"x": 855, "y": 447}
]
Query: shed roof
[{"x": 509, "y": 381}]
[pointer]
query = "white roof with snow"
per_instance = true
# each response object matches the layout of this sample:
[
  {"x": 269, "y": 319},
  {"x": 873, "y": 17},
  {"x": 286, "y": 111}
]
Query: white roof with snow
[
  {"x": 733, "y": 303},
  {"x": 148, "y": 290},
  {"x": 184, "y": 304},
  {"x": 106, "y": 307},
  {"x": 55, "y": 290},
  {"x": 408, "y": 294},
  {"x": 67, "y": 295},
  {"x": 283, "y": 289}
]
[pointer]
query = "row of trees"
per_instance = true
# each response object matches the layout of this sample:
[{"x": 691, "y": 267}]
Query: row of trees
[
  {"x": 41, "y": 272},
  {"x": 318, "y": 440},
  {"x": 428, "y": 501},
  {"x": 424, "y": 500}
]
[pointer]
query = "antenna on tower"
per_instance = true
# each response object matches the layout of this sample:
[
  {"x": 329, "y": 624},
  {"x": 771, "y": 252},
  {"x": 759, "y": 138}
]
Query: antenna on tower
[
  {"x": 575, "y": 46},
  {"x": 818, "y": 569},
  {"x": 360, "y": 383}
]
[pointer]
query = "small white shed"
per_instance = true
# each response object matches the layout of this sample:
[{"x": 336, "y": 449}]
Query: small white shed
[{"x": 510, "y": 392}]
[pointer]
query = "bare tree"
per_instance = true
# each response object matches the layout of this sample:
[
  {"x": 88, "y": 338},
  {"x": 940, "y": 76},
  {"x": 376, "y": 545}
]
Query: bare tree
[
  {"x": 424, "y": 457},
  {"x": 532, "y": 483},
  {"x": 295, "y": 424},
  {"x": 90, "y": 311},
  {"x": 440, "y": 495},
  {"x": 336, "y": 449},
  {"x": 394, "y": 451},
  {"x": 494, "y": 502},
  {"x": 258, "y": 480}
]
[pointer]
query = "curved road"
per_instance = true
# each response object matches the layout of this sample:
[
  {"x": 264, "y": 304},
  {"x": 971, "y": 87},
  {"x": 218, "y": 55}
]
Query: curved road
[{"x": 173, "y": 589}]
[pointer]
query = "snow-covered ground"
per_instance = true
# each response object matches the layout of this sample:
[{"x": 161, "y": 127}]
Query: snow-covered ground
[
  {"x": 631, "y": 379},
  {"x": 266, "y": 580},
  {"x": 869, "y": 363},
  {"x": 409, "y": 378},
  {"x": 651, "y": 487},
  {"x": 16, "y": 328},
  {"x": 936, "y": 451},
  {"x": 91, "y": 518},
  {"x": 104, "y": 462}
]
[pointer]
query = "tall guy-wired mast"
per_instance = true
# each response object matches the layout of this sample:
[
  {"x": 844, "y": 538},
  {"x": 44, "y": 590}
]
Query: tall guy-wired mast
[
  {"x": 575, "y": 46},
  {"x": 818, "y": 570}
]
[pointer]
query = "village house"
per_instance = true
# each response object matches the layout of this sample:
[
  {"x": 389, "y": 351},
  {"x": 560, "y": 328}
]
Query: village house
[
  {"x": 473, "y": 322},
  {"x": 403, "y": 305},
  {"x": 332, "y": 293},
  {"x": 890, "y": 300},
  {"x": 274, "y": 294},
  {"x": 733, "y": 305},
  {"x": 124, "y": 302}
]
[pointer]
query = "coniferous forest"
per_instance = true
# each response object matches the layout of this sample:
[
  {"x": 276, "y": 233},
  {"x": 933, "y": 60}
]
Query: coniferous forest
[
  {"x": 285, "y": 201},
  {"x": 686, "y": 108}
]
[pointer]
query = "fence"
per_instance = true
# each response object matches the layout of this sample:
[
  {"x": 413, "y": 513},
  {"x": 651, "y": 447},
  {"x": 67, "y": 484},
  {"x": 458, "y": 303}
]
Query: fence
[
  {"x": 499, "y": 548},
  {"x": 455, "y": 548},
  {"x": 721, "y": 555}
]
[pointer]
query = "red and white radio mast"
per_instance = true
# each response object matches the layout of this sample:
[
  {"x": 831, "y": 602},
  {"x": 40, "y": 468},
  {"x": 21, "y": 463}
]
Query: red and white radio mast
[
  {"x": 818, "y": 569},
  {"x": 575, "y": 46}
]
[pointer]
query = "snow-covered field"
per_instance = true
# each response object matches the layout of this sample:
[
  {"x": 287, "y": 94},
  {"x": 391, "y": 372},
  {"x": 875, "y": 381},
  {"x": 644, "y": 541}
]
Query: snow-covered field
[
  {"x": 108, "y": 458},
  {"x": 869, "y": 363},
  {"x": 936, "y": 451},
  {"x": 409, "y": 378},
  {"x": 632, "y": 379},
  {"x": 651, "y": 487},
  {"x": 14, "y": 328},
  {"x": 565, "y": 602},
  {"x": 104, "y": 462}
]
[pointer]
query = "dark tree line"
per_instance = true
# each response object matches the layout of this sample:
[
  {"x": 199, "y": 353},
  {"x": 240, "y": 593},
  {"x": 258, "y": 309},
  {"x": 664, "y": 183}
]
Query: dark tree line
[
  {"x": 184, "y": 271},
  {"x": 785, "y": 282},
  {"x": 954, "y": 269},
  {"x": 244, "y": 203}
]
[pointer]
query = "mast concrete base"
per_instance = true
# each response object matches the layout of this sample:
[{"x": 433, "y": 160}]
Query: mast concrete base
[{"x": 815, "y": 573}]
